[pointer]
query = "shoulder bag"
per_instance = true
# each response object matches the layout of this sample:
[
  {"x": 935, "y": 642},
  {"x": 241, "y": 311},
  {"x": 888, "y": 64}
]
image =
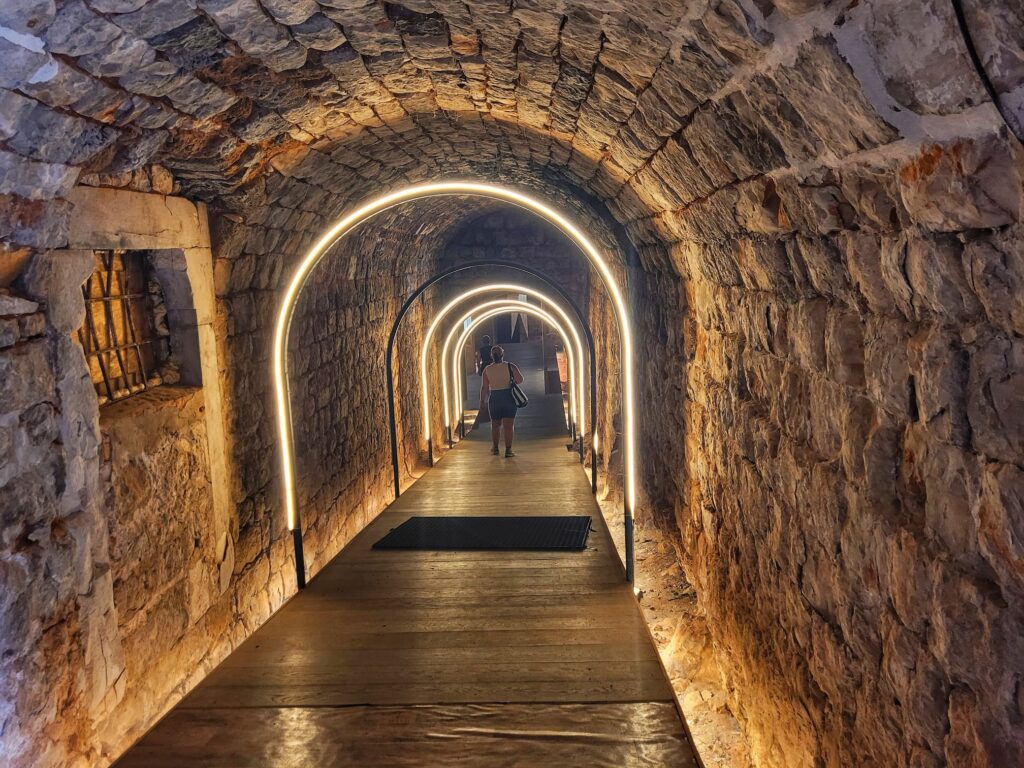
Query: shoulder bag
[{"x": 518, "y": 395}]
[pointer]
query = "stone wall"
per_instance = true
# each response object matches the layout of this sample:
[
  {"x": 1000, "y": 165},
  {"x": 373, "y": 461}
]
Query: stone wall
[
  {"x": 853, "y": 446},
  {"x": 52, "y": 526},
  {"x": 835, "y": 368},
  {"x": 166, "y": 590},
  {"x": 336, "y": 360},
  {"x": 848, "y": 483},
  {"x": 117, "y": 569},
  {"x": 147, "y": 586},
  {"x": 825, "y": 203}
]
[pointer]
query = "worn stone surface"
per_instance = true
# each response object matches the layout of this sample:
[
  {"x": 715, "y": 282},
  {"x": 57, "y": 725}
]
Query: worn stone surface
[
  {"x": 512, "y": 236},
  {"x": 163, "y": 581},
  {"x": 837, "y": 439},
  {"x": 108, "y": 218},
  {"x": 818, "y": 212}
]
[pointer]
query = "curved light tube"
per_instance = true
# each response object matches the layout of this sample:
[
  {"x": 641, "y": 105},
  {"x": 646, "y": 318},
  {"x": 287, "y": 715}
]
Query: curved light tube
[
  {"x": 429, "y": 336},
  {"x": 418, "y": 191},
  {"x": 575, "y": 363},
  {"x": 580, "y": 395},
  {"x": 576, "y": 399},
  {"x": 501, "y": 306}
]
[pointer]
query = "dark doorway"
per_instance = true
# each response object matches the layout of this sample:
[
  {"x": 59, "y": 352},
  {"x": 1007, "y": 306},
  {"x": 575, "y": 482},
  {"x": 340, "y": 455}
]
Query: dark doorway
[{"x": 503, "y": 329}]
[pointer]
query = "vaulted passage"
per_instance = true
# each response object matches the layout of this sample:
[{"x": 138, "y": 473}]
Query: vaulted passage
[
  {"x": 509, "y": 657},
  {"x": 791, "y": 230}
]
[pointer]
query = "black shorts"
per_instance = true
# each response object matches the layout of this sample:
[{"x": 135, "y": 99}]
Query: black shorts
[{"x": 501, "y": 405}]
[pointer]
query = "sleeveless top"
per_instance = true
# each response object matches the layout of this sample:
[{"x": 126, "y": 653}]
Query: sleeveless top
[{"x": 497, "y": 375}]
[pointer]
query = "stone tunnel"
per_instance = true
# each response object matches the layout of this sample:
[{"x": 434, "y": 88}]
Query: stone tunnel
[{"x": 812, "y": 210}]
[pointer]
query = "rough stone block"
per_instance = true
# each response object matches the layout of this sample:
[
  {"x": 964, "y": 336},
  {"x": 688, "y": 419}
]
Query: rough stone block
[
  {"x": 887, "y": 368},
  {"x": 995, "y": 267},
  {"x": 37, "y": 223},
  {"x": 1001, "y": 525},
  {"x": 807, "y": 332},
  {"x": 926, "y": 68},
  {"x": 146, "y": 19},
  {"x": 319, "y": 32},
  {"x": 25, "y": 375},
  {"x": 9, "y": 335},
  {"x": 27, "y": 17},
  {"x": 246, "y": 23},
  {"x": 823, "y": 90},
  {"x": 56, "y": 278},
  {"x": 15, "y": 305},
  {"x": 864, "y": 263},
  {"x": 939, "y": 279},
  {"x": 77, "y": 31},
  {"x": 111, "y": 218},
  {"x": 13, "y": 110},
  {"x": 893, "y": 268},
  {"x": 964, "y": 184},
  {"x": 47, "y": 135},
  {"x": 940, "y": 365},
  {"x": 36, "y": 181},
  {"x": 995, "y": 398},
  {"x": 844, "y": 348},
  {"x": 818, "y": 268}
]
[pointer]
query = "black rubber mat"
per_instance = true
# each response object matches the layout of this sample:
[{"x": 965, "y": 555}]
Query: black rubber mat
[{"x": 566, "y": 532}]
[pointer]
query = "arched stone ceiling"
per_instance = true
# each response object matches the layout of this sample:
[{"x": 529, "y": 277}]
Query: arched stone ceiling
[{"x": 649, "y": 107}]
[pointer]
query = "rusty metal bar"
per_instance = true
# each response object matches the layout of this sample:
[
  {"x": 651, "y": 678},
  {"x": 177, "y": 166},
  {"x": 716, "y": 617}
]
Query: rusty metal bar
[{"x": 95, "y": 340}]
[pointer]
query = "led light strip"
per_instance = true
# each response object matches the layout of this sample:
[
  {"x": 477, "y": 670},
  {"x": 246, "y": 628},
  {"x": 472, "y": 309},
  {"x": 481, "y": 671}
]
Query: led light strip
[
  {"x": 480, "y": 189},
  {"x": 502, "y": 308},
  {"x": 580, "y": 395}
]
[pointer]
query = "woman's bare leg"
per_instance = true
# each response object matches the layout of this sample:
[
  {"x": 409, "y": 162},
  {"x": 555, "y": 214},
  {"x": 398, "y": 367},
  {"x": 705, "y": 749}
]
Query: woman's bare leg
[
  {"x": 495, "y": 432},
  {"x": 509, "y": 425}
]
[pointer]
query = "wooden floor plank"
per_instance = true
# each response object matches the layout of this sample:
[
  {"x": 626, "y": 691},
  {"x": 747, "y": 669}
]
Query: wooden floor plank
[
  {"x": 392, "y": 693},
  {"x": 618, "y": 735},
  {"x": 526, "y": 658}
]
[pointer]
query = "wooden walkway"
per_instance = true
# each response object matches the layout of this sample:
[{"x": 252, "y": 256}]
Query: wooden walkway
[{"x": 490, "y": 659}]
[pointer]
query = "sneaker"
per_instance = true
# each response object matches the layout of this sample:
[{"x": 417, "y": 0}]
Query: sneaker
[
  {"x": 494, "y": 451},
  {"x": 509, "y": 453}
]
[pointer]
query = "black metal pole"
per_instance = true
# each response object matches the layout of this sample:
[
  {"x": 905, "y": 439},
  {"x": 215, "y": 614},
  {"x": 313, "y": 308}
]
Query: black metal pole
[
  {"x": 430, "y": 451},
  {"x": 593, "y": 421},
  {"x": 392, "y": 426},
  {"x": 300, "y": 560},
  {"x": 629, "y": 541}
]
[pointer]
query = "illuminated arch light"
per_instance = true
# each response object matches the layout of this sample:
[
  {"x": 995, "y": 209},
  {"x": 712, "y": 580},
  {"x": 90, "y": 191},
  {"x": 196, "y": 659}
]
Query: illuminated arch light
[
  {"x": 576, "y": 399},
  {"x": 580, "y": 395},
  {"x": 575, "y": 363},
  {"x": 432, "y": 328},
  {"x": 479, "y": 189}
]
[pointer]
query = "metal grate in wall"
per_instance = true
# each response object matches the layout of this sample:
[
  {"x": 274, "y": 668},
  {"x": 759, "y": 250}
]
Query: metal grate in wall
[{"x": 125, "y": 335}]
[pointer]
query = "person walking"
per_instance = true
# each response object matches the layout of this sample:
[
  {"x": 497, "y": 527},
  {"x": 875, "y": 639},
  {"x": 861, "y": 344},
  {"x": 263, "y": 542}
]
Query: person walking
[
  {"x": 496, "y": 393},
  {"x": 483, "y": 355}
]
